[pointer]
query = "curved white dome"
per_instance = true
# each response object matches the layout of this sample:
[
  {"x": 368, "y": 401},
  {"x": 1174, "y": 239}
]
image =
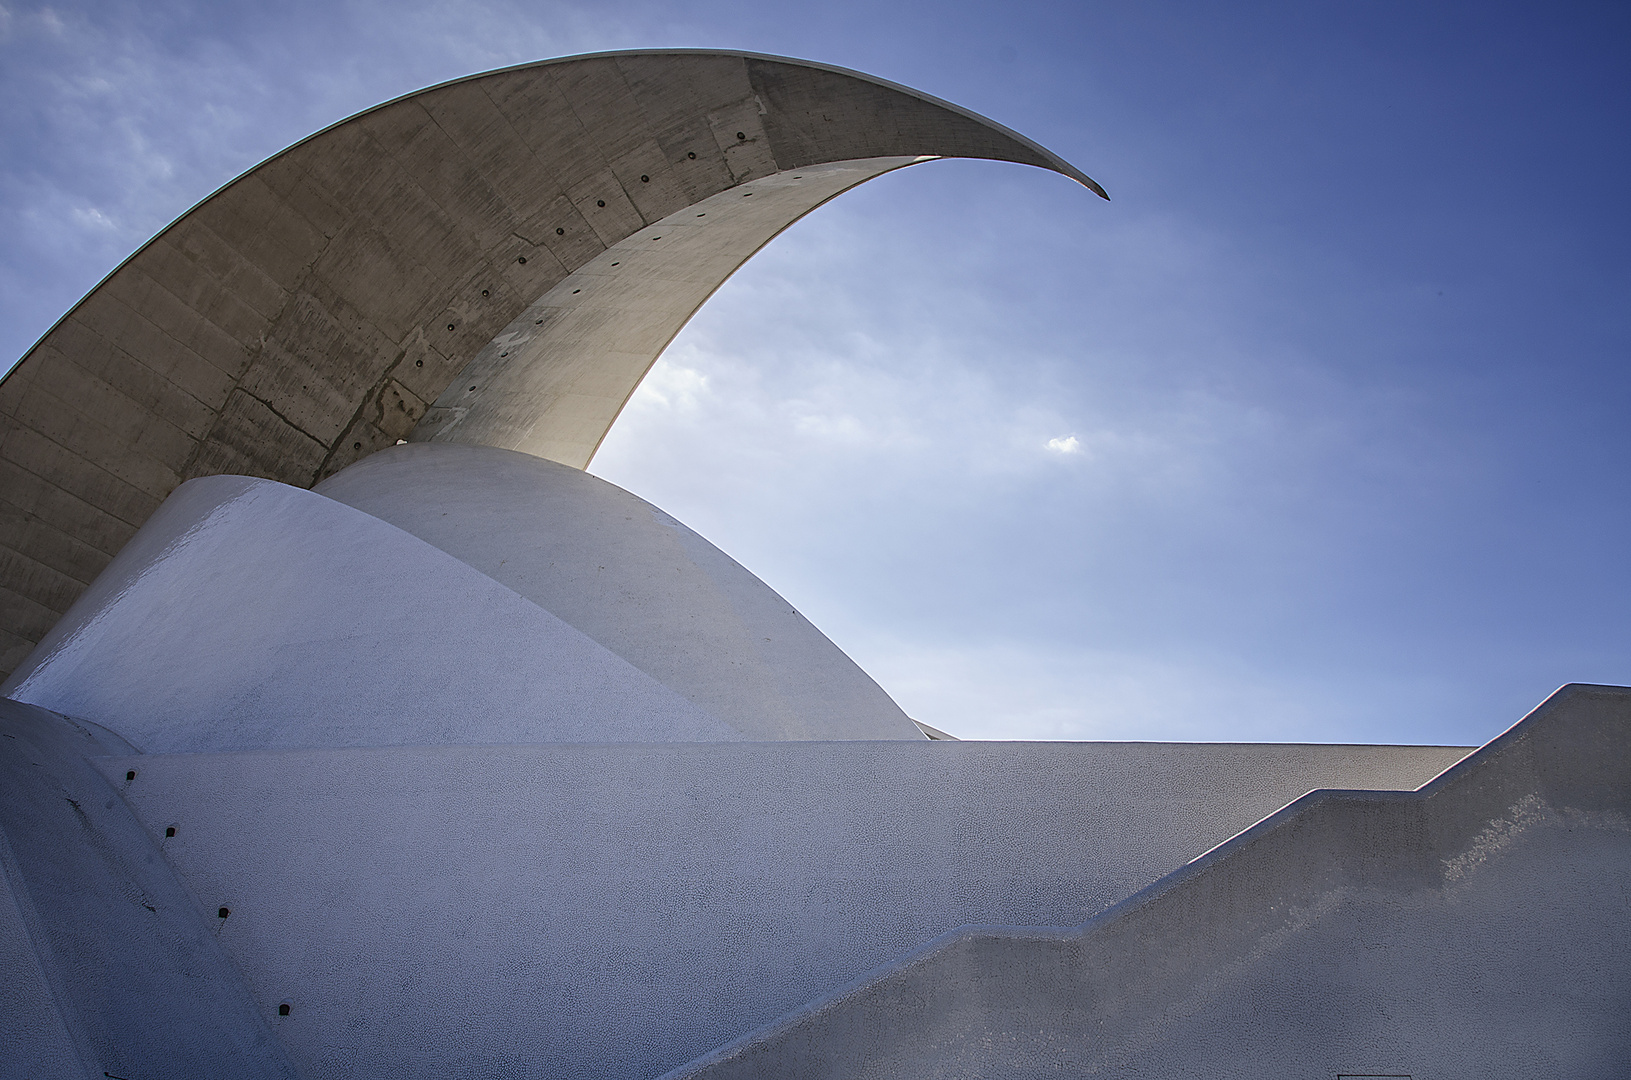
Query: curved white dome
[
  {"x": 251, "y": 615},
  {"x": 631, "y": 578}
]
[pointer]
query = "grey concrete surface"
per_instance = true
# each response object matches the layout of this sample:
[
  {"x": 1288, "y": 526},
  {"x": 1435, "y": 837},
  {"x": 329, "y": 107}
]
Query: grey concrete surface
[
  {"x": 1476, "y": 928},
  {"x": 248, "y": 614},
  {"x": 616, "y": 910},
  {"x": 633, "y": 579},
  {"x": 554, "y": 380},
  {"x": 306, "y": 314},
  {"x": 139, "y": 986}
]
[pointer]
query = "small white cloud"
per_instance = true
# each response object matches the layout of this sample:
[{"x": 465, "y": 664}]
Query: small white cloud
[
  {"x": 91, "y": 218},
  {"x": 671, "y": 386},
  {"x": 1065, "y": 445}
]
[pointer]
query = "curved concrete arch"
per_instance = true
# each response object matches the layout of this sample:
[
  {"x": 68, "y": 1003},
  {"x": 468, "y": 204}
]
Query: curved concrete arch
[
  {"x": 309, "y": 312},
  {"x": 554, "y": 380}
]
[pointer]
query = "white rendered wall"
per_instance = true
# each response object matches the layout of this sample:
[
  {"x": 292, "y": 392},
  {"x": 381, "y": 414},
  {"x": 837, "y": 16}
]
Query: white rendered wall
[
  {"x": 33, "y": 1041},
  {"x": 615, "y": 911}
]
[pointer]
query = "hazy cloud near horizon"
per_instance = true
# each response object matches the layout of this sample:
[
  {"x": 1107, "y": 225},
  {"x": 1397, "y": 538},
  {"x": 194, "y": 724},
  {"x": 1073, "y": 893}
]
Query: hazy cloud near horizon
[{"x": 1318, "y": 431}]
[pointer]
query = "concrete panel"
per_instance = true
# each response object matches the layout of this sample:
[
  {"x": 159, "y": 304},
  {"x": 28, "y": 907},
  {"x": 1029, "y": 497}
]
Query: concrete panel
[
  {"x": 119, "y": 453},
  {"x": 283, "y": 303},
  {"x": 613, "y": 911},
  {"x": 73, "y": 475},
  {"x": 45, "y": 586},
  {"x": 14, "y": 649},
  {"x": 251, "y": 438},
  {"x": 1476, "y": 927},
  {"x": 633, "y": 579},
  {"x": 71, "y": 555},
  {"x": 31, "y": 617},
  {"x": 138, "y": 983},
  {"x": 80, "y": 523},
  {"x": 249, "y": 614},
  {"x": 155, "y": 390}
]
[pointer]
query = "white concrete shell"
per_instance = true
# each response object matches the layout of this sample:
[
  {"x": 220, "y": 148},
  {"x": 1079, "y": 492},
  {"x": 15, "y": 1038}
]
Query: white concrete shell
[
  {"x": 251, "y": 615},
  {"x": 479, "y": 260},
  {"x": 436, "y": 595},
  {"x": 634, "y": 580}
]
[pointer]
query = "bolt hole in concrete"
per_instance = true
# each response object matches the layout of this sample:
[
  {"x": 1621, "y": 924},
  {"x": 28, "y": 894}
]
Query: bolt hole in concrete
[
  {"x": 450, "y": 326},
  {"x": 560, "y": 232},
  {"x": 741, "y": 135},
  {"x": 600, "y": 202},
  {"x": 129, "y": 776},
  {"x": 540, "y": 322},
  {"x": 503, "y": 354},
  {"x": 644, "y": 179},
  {"x": 356, "y": 446},
  {"x": 221, "y": 913},
  {"x": 576, "y": 291},
  {"x": 171, "y": 831},
  {"x": 283, "y": 1009},
  {"x": 522, "y": 259},
  {"x": 616, "y": 264},
  {"x": 692, "y": 155},
  {"x": 472, "y": 388},
  {"x": 418, "y": 363},
  {"x": 484, "y": 292}
]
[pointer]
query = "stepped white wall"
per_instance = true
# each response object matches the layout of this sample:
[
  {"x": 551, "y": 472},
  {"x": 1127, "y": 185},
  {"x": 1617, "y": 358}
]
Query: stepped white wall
[{"x": 616, "y": 910}]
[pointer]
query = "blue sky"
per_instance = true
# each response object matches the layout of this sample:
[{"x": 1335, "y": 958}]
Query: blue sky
[{"x": 1319, "y": 431}]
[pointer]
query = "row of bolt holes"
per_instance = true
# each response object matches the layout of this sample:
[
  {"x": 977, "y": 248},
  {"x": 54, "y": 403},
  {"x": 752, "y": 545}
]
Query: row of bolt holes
[
  {"x": 283, "y": 1008},
  {"x": 169, "y": 832},
  {"x": 522, "y": 259},
  {"x": 221, "y": 912},
  {"x": 644, "y": 179}
]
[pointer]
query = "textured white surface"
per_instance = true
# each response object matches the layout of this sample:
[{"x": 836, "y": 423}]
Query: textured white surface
[
  {"x": 1475, "y": 927},
  {"x": 33, "y": 1041},
  {"x": 250, "y": 614},
  {"x": 617, "y": 910},
  {"x": 137, "y": 977}
]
